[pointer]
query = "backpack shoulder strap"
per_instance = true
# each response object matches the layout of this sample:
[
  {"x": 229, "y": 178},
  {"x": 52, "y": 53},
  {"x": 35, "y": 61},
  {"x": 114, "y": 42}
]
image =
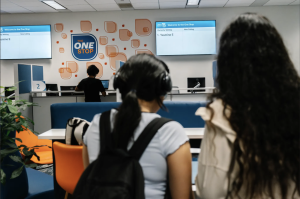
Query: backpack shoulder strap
[
  {"x": 146, "y": 136},
  {"x": 105, "y": 132}
]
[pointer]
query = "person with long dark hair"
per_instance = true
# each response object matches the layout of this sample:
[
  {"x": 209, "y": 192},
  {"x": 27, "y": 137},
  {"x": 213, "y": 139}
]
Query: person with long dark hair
[
  {"x": 140, "y": 82},
  {"x": 251, "y": 142}
]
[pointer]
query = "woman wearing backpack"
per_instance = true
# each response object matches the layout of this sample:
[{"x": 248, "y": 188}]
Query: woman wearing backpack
[
  {"x": 143, "y": 82},
  {"x": 250, "y": 148}
]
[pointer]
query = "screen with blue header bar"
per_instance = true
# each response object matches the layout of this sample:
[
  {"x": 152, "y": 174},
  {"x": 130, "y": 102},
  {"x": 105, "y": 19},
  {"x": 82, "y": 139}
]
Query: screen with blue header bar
[
  {"x": 26, "y": 42},
  {"x": 186, "y": 37},
  {"x": 105, "y": 84}
]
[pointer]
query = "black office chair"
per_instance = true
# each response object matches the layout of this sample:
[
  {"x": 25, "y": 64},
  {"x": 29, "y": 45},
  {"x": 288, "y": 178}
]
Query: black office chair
[
  {"x": 52, "y": 87},
  {"x": 9, "y": 93}
]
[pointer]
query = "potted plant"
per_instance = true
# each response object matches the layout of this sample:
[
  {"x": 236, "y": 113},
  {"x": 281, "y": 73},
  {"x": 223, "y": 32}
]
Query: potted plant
[{"x": 12, "y": 164}]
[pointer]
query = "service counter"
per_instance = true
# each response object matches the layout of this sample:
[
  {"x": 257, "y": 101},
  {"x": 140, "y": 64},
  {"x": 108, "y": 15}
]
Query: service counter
[{"x": 41, "y": 113}]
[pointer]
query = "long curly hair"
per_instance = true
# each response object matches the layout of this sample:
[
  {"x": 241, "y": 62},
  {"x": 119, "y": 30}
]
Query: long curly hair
[{"x": 259, "y": 83}]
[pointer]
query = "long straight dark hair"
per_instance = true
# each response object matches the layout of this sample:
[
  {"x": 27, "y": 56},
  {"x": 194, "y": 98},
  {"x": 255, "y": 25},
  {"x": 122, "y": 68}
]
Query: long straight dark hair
[
  {"x": 259, "y": 83},
  {"x": 138, "y": 78}
]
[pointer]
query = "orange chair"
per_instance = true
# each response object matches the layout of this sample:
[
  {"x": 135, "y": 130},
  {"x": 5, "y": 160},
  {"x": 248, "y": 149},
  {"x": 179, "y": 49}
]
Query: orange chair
[
  {"x": 68, "y": 165},
  {"x": 30, "y": 139}
]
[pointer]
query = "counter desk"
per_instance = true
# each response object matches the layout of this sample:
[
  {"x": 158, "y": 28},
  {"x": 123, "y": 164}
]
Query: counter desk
[{"x": 41, "y": 113}]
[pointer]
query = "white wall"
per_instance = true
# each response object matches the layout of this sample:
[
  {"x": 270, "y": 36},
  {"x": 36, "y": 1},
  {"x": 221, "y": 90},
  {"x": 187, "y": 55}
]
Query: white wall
[{"x": 285, "y": 19}]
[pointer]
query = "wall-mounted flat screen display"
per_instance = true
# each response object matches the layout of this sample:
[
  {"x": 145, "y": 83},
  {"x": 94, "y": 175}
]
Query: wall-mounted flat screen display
[
  {"x": 26, "y": 42},
  {"x": 186, "y": 38}
]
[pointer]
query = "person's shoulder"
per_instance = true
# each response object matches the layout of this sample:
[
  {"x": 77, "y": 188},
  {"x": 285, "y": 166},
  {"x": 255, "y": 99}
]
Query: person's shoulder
[
  {"x": 172, "y": 126},
  {"x": 218, "y": 114}
]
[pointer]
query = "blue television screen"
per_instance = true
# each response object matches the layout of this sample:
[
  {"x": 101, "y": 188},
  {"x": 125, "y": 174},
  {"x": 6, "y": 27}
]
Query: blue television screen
[
  {"x": 26, "y": 42},
  {"x": 185, "y": 37}
]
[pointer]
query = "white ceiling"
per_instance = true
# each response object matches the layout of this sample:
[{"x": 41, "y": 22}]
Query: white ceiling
[{"x": 36, "y": 6}]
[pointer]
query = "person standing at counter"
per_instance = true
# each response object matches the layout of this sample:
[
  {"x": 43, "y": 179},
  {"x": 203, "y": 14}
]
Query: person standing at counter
[{"x": 91, "y": 86}]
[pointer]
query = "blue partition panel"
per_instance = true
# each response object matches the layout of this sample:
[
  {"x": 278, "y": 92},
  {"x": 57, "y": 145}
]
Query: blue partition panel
[
  {"x": 37, "y": 73},
  {"x": 24, "y": 74}
]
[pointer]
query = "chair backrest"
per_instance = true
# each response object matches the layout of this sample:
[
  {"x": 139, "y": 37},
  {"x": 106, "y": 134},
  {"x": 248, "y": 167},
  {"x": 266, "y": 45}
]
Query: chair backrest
[
  {"x": 68, "y": 165},
  {"x": 30, "y": 139},
  {"x": 182, "y": 112}
]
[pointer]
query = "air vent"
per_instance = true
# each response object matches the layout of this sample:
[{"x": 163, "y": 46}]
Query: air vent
[{"x": 125, "y": 5}]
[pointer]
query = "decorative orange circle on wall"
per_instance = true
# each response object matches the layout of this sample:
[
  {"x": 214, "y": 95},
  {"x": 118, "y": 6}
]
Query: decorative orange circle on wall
[
  {"x": 57, "y": 42},
  {"x": 124, "y": 48},
  {"x": 123, "y": 25},
  {"x": 97, "y": 29},
  {"x": 145, "y": 45},
  {"x": 63, "y": 63},
  {"x": 113, "y": 39},
  {"x": 71, "y": 30},
  {"x": 105, "y": 63},
  {"x": 75, "y": 75}
]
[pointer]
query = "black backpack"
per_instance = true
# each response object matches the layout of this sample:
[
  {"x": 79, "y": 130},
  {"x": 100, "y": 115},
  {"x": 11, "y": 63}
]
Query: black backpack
[{"x": 117, "y": 174}]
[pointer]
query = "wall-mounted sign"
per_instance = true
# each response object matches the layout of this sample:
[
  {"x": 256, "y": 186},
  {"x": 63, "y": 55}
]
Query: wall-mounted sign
[{"x": 84, "y": 47}]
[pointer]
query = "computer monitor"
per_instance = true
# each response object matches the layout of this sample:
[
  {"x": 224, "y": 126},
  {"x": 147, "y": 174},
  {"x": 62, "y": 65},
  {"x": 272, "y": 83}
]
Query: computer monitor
[
  {"x": 67, "y": 88},
  {"x": 105, "y": 83},
  {"x": 52, "y": 87},
  {"x": 8, "y": 93},
  {"x": 196, "y": 82}
]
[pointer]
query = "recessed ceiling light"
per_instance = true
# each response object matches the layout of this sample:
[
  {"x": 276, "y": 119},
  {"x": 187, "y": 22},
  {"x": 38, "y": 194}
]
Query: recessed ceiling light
[
  {"x": 192, "y": 2},
  {"x": 54, "y": 5}
]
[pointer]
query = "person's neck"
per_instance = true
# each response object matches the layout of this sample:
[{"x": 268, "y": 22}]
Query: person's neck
[
  {"x": 91, "y": 76},
  {"x": 148, "y": 107}
]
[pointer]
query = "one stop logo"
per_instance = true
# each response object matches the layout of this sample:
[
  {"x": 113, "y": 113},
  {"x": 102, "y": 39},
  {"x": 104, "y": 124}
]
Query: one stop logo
[{"x": 84, "y": 47}]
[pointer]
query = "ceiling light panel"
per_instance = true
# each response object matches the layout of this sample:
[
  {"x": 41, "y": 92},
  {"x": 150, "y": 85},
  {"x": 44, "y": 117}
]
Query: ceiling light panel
[
  {"x": 212, "y": 3},
  {"x": 145, "y": 6},
  {"x": 237, "y": 3},
  {"x": 192, "y": 2},
  {"x": 54, "y": 5},
  {"x": 71, "y": 2},
  {"x": 279, "y": 2}
]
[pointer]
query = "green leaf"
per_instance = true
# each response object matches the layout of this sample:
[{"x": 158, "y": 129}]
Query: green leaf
[
  {"x": 12, "y": 109},
  {"x": 16, "y": 172},
  {"x": 31, "y": 165},
  {"x": 9, "y": 101},
  {"x": 3, "y": 177},
  {"x": 12, "y": 145},
  {"x": 11, "y": 89},
  {"x": 18, "y": 139},
  {"x": 7, "y": 151},
  {"x": 16, "y": 158},
  {"x": 2, "y": 87}
]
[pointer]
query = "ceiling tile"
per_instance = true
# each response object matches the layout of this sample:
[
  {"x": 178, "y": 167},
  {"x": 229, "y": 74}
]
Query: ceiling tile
[
  {"x": 213, "y": 3},
  {"x": 161, "y": 1},
  {"x": 71, "y": 2},
  {"x": 38, "y": 8},
  {"x": 106, "y": 7},
  {"x": 237, "y": 3},
  {"x": 145, "y": 6},
  {"x": 7, "y": 3},
  {"x": 278, "y": 2},
  {"x": 144, "y": 1},
  {"x": 16, "y": 9},
  {"x": 36, "y": 3},
  {"x": 257, "y": 3},
  {"x": 122, "y": 1},
  {"x": 101, "y": 2},
  {"x": 80, "y": 8},
  {"x": 297, "y": 2},
  {"x": 171, "y": 5}
]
